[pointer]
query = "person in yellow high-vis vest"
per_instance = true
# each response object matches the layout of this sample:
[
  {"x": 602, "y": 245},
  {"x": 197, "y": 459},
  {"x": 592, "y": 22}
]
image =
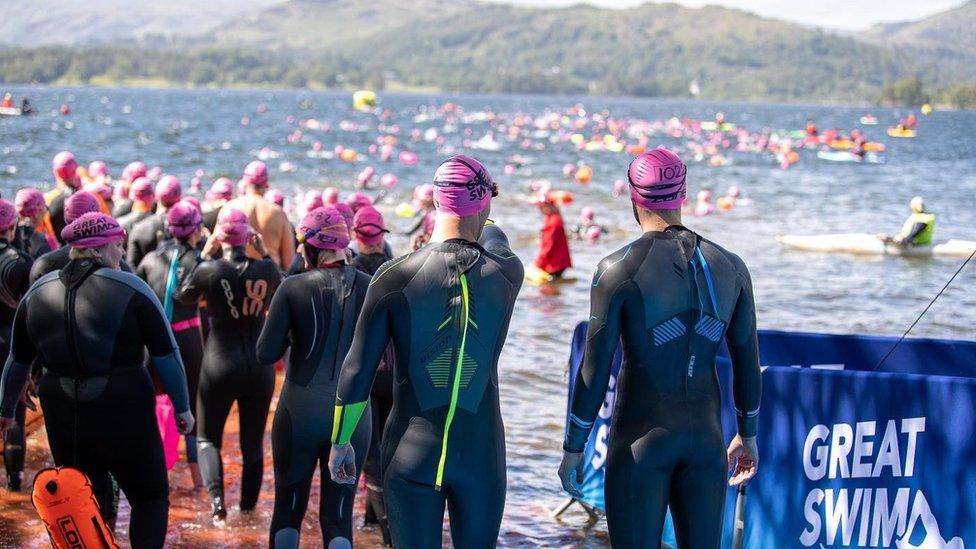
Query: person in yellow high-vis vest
[{"x": 918, "y": 228}]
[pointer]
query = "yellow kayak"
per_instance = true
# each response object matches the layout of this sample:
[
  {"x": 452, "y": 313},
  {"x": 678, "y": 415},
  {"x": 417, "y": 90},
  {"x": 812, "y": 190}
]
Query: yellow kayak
[{"x": 901, "y": 132}]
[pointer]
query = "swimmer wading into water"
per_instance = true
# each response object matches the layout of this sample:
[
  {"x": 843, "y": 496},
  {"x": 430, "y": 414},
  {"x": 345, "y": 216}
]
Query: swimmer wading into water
[
  {"x": 446, "y": 308},
  {"x": 669, "y": 297}
]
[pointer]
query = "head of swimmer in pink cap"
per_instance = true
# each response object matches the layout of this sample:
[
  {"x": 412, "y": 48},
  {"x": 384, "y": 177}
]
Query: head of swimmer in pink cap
[
  {"x": 8, "y": 220},
  {"x": 30, "y": 205},
  {"x": 323, "y": 237},
  {"x": 169, "y": 190},
  {"x": 369, "y": 228},
  {"x": 233, "y": 228},
  {"x": 183, "y": 221},
  {"x": 657, "y": 188},
  {"x": 65, "y": 169},
  {"x": 255, "y": 178},
  {"x": 463, "y": 190},
  {"x": 95, "y": 236},
  {"x": 79, "y": 204}
]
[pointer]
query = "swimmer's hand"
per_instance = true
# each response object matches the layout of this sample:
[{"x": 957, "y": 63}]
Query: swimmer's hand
[
  {"x": 743, "y": 459},
  {"x": 571, "y": 473},
  {"x": 342, "y": 464},
  {"x": 258, "y": 244},
  {"x": 30, "y": 393},
  {"x": 184, "y": 422}
]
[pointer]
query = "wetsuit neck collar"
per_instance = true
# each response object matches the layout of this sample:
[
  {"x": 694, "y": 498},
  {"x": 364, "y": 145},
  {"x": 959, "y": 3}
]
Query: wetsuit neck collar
[
  {"x": 463, "y": 242},
  {"x": 237, "y": 253},
  {"x": 77, "y": 271}
]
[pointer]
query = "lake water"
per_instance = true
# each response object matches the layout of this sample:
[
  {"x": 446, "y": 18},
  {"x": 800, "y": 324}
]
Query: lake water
[{"x": 183, "y": 131}]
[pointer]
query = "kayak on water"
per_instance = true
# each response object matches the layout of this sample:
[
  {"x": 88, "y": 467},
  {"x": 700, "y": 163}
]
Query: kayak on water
[
  {"x": 846, "y": 144},
  {"x": 869, "y": 244},
  {"x": 713, "y": 126},
  {"x": 901, "y": 132},
  {"x": 847, "y": 156},
  {"x": 10, "y": 111},
  {"x": 869, "y": 120}
]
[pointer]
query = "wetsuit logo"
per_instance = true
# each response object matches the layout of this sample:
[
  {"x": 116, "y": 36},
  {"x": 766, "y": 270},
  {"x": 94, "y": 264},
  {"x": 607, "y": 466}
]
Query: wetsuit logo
[
  {"x": 256, "y": 291},
  {"x": 860, "y": 516},
  {"x": 229, "y": 296}
]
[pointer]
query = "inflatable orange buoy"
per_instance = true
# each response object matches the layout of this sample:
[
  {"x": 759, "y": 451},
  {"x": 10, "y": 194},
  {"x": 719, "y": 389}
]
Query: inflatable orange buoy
[
  {"x": 584, "y": 174},
  {"x": 348, "y": 155},
  {"x": 63, "y": 498},
  {"x": 724, "y": 203}
]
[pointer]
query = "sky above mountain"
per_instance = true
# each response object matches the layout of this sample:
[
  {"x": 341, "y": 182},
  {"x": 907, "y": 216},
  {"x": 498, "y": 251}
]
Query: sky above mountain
[{"x": 833, "y": 14}]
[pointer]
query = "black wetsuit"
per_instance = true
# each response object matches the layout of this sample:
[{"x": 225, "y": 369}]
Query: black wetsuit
[
  {"x": 315, "y": 314},
  {"x": 380, "y": 403},
  {"x": 121, "y": 207},
  {"x": 162, "y": 275},
  {"x": 87, "y": 327},
  {"x": 55, "y": 206},
  {"x": 55, "y": 260},
  {"x": 210, "y": 218},
  {"x": 238, "y": 291},
  {"x": 31, "y": 242},
  {"x": 144, "y": 237},
  {"x": 131, "y": 219},
  {"x": 14, "y": 270},
  {"x": 447, "y": 308},
  {"x": 669, "y": 297}
]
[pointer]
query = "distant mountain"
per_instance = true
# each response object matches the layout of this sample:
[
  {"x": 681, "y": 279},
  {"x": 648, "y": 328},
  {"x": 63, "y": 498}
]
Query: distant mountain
[
  {"x": 954, "y": 29},
  {"x": 29, "y": 24},
  {"x": 465, "y": 45},
  {"x": 653, "y": 49}
]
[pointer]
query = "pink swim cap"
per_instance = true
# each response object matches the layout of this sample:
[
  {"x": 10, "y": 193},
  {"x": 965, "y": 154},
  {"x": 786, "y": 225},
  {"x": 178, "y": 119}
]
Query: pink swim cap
[
  {"x": 330, "y": 196},
  {"x": 369, "y": 226},
  {"x": 276, "y": 196},
  {"x": 657, "y": 180},
  {"x": 98, "y": 169},
  {"x": 8, "y": 215},
  {"x": 312, "y": 201},
  {"x": 183, "y": 219},
  {"x": 222, "y": 189},
  {"x": 65, "y": 168},
  {"x": 92, "y": 230},
  {"x": 79, "y": 204},
  {"x": 256, "y": 173},
  {"x": 358, "y": 200},
  {"x": 323, "y": 228},
  {"x": 142, "y": 190},
  {"x": 423, "y": 192},
  {"x": 587, "y": 214},
  {"x": 462, "y": 186},
  {"x": 29, "y": 202},
  {"x": 193, "y": 200},
  {"x": 98, "y": 188},
  {"x": 168, "y": 190},
  {"x": 346, "y": 213},
  {"x": 233, "y": 227},
  {"x": 134, "y": 171}
]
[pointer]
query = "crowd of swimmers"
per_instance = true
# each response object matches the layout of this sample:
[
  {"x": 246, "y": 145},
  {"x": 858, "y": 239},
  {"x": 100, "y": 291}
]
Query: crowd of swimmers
[{"x": 115, "y": 296}]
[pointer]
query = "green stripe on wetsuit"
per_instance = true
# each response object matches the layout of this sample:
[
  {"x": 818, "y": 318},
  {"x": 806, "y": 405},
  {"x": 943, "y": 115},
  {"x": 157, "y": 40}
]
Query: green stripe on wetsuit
[
  {"x": 456, "y": 386},
  {"x": 346, "y": 418}
]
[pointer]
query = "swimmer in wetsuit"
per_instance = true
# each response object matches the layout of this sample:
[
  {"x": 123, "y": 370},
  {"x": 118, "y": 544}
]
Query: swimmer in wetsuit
[
  {"x": 86, "y": 326},
  {"x": 148, "y": 233},
  {"x": 74, "y": 207},
  {"x": 143, "y": 198},
  {"x": 32, "y": 236},
  {"x": 315, "y": 314},
  {"x": 670, "y": 297},
  {"x": 237, "y": 290},
  {"x": 122, "y": 202},
  {"x": 65, "y": 169},
  {"x": 369, "y": 229},
  {"x": 164, "y": 269},
  {"x": 14, "y": 270},
  {"x": 447, "y": 309}
]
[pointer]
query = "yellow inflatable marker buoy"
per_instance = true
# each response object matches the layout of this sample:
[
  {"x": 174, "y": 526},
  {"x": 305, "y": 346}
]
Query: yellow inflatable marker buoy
[{"x": 926, "y": 109}]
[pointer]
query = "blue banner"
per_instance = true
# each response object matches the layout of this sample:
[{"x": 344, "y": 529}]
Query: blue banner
[{"x": 849, "y": 457}]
